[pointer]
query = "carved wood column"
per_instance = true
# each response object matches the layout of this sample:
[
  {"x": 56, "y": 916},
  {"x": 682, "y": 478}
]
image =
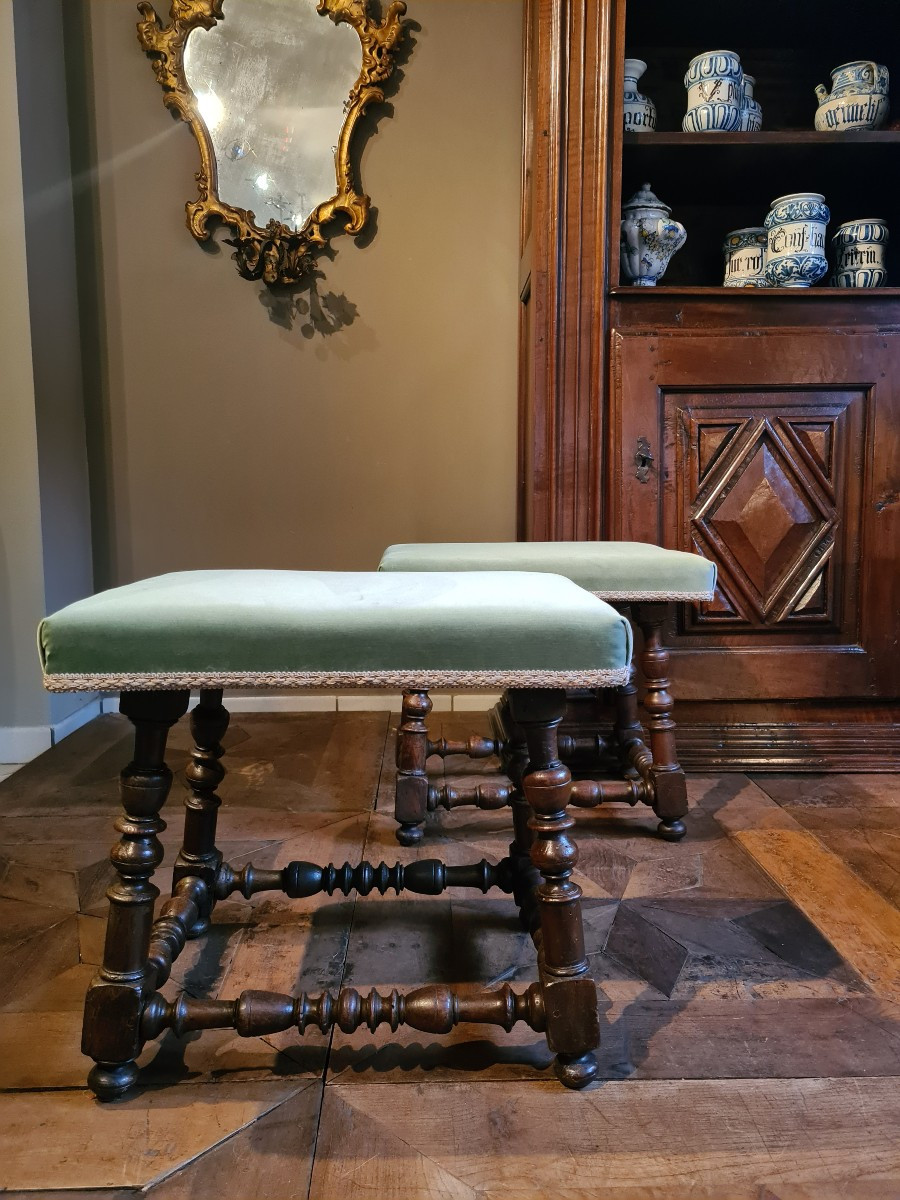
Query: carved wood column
[{"x": 563, "y": 327}]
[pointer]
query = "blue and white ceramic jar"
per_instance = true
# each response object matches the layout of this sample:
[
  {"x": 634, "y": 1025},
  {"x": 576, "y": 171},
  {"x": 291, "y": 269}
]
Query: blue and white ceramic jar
[
  {"x": 640, "y": 111},
  {"x": 858, "y": 98},
  {"x": 745, "y": 257},
  {"x": 649, "y": 238},
  {"x": 715, "y": 92},
  {"x": 751, "y": 112},
  {"x": 859, "y": 249},
  {"x": 795, "y": 249}
]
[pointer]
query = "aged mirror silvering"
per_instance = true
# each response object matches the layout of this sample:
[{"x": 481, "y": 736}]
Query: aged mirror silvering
[{"x": 273, "y": 90}]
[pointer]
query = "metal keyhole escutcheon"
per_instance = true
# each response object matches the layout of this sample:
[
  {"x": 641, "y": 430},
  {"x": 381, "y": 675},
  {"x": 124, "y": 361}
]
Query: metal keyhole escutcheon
[{"x": 643, "y": 460}]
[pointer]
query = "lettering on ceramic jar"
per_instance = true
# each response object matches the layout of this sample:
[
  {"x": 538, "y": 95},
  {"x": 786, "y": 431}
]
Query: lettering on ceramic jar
[
  {"x": 716, "y": 91},
  {"x": 793, "y": 239},
  {"x": 854, "y": 112},
  {"x": 724, "y": 90},
  {"x": 860, "y": 256},
  {"x": 638, "y": 120},
  {"x": 748, "y": 261}
]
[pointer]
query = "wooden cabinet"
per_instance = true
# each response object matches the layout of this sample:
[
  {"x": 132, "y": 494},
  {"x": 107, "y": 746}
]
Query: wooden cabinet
[
  {"x": 778, "y": 456},
  {"x": 760, "y": 428}
]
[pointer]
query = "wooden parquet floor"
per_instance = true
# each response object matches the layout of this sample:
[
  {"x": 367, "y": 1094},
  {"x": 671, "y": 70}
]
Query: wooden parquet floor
[{"x": 750, "y": 994}]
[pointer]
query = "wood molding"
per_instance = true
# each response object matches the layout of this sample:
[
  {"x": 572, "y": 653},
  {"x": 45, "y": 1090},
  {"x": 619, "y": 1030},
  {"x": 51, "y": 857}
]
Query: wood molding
[
  {"x": 562, "y": 385},
  {"x": 789, "y": 746},
  {"x": 748, "y": 737},
  {"x": 807, "y": 736}
]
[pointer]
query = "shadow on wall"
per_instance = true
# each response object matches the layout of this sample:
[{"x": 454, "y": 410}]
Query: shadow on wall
[{"x": 313, "y": 312}]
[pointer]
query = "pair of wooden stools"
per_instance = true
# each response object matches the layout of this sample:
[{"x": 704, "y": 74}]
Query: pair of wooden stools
[{"x": 531, "y": 634}]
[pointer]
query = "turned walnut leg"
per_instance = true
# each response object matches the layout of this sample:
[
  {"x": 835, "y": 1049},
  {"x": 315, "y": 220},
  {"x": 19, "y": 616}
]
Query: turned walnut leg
[
  {"x": 411, "y": 798},
  {"x": 199, "y": 858},
  {"x": 627, "y": 729},
  {"x": 116, "y": 998},
  {"x": 513, "y": 753},
  {"x": 670, "y": 788},
  {"x": 570, "y": 995}
]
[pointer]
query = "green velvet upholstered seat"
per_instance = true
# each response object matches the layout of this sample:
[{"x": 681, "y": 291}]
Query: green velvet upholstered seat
[
  {"x": 335, "y": 629},
  {"x": 612, "y": 570}
]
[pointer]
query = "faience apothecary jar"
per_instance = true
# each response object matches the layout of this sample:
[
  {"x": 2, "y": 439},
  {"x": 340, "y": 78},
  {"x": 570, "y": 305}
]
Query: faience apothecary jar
[
  {"x": 649, "y": 238},
  {"x": 795, "y": 250},
  {"x": 715, "y": 92},
  {"x": 640, "y": 111},
  {"x": 751, "y": 112},
  {"x": 745, "y": 257},
  {"x": 858, "y": 98},
  {"x": 859, "y": 249}
]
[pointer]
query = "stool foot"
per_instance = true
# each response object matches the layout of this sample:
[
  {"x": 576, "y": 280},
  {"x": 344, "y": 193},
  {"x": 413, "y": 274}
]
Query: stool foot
[
  {"x": 410, "y": 835},
  {"x": 576, "y": 1072},
  {"x": 671, "y": 831},
  {"x": 109, "y": 1081}
]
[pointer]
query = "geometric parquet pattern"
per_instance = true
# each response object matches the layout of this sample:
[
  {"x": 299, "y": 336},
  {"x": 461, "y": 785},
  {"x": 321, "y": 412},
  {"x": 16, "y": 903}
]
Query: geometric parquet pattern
[{"x": 749, "y": 981}]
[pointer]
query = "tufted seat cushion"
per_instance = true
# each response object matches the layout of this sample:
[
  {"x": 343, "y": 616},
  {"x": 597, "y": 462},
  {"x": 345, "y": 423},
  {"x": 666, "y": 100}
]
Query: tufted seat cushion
[
  {"x": 333, "y": 629},
  {"x": 611, "y": 570}
]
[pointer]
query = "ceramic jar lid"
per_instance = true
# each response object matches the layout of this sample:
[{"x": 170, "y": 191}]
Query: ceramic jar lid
[{"x": 644, "y": 198}]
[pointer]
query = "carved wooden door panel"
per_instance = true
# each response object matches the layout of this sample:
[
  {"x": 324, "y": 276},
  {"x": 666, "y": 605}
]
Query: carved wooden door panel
[{"x": 777, "y": 455}]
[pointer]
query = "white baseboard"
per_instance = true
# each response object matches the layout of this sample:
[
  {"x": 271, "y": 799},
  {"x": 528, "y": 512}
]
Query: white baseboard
[
  {"x": 75, "y": 720},
  {"x": 307, "y": 702},
  {"x": 22, "y": 743},
  {"x": 235, "y": 703},
  {"x": 475, "y": 701},
  {"x": 356, "y": 701}
]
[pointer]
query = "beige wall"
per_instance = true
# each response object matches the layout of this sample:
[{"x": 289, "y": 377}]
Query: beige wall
[
  {"x": 220, "y": 437},
  {"x": 23, "y": 705},
  {"x": 52, "y": 304}
]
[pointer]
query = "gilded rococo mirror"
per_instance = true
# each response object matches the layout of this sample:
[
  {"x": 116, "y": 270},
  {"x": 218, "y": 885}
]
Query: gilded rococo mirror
[{"x": 273, "y": 90}]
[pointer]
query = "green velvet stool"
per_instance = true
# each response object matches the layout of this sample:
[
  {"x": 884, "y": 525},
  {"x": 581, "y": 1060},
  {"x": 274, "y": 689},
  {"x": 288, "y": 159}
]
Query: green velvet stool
[
  {"x": 610, "y": 757},
  {"x": 154, "y": 641}
]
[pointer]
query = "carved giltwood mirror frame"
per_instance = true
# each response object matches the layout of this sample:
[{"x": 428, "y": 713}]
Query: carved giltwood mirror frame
[{"x": 281, "y": 252}]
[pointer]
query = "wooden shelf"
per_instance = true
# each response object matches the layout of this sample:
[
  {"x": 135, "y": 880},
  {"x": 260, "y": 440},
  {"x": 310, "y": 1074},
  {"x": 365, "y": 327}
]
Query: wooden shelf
[
  {"x": 717, "y": 182},
  {"x": 827, "y": 293},
  {"x": 776, "y": 137}
]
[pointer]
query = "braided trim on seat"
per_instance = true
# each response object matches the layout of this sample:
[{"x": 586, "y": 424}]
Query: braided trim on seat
[
  {"x": 413, "y": 680},
  {"x": 621, "y": 597}
]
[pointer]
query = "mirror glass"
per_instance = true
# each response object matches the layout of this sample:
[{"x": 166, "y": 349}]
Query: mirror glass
[{"x": 272, "y": 81}]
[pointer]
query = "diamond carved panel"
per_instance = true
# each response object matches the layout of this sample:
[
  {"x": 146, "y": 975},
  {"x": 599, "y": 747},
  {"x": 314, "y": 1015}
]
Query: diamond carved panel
[
  {"x": 764, "y": 510},
  {"x": 765, "y": 519}
]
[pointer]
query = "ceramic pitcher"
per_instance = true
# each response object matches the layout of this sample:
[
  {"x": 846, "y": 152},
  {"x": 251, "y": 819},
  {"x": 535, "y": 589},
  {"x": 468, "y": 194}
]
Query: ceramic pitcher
[
  {"x": 795, "y": 249},
  {"x": 640, "y": 111},
  {"x": 715, "y": 92},
  {"x": 858, "y": 98},
  {"x": 649, "y": 238}
]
